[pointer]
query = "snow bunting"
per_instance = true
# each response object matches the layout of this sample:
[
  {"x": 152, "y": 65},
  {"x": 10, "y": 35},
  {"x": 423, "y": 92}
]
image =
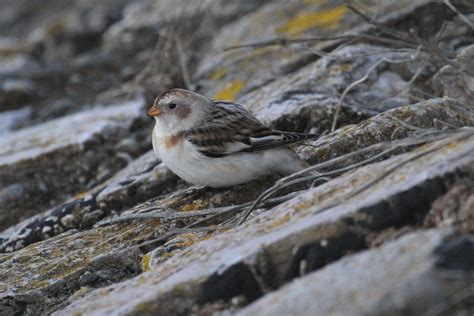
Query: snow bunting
[{"x": 216, "y": 143}]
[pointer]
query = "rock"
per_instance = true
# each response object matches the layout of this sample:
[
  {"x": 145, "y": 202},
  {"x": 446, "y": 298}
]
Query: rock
[
  {"x": 232, "y": 74},
  {"x": 53, "y": 160},
  {"x": 80, "y": 263},
  {"x": 64, "y": 265},
  {"x": 309, "y": 97},
  {"x": 453, "y": 209},
  {"x": 414, "y": 275},
  {"x": 16, "y": 93},
  {"x": 45, "y": 46},
  {"x": 92, "y": 223},
  {"x": 10, "y": 194},
  {"x": 143, "y": 179},
  {"x": 145, "y": 31},
  {"x": 9, "y": 120},
  {"x": 457, "y": 83},
  {"x": 284, "y": 243},
  {"x": 434, "y": 113},
  {"x": 17, "y": 63},
  {"x": 142, "y": 20}
]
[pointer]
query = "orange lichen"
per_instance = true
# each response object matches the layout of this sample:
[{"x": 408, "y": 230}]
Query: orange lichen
[{"x": 329, "y": 18}]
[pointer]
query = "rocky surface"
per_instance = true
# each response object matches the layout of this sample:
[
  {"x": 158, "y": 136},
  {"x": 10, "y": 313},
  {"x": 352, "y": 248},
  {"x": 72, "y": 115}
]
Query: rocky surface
[
  {"x": 414, "y": 275},
  {"x": 230, "y": 74},
  {"x": 299, "y": 236},
  {"x": 93, "y": 223},
  {"x": 41, "y": 165}
]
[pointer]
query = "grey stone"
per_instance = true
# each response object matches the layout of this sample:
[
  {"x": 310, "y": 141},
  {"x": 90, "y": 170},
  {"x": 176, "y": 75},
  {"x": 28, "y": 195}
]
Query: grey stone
[
  {"x": 141, "y": 180},
  {"x": 433, "y": 113},
  {"x": 11, "y": 193},
  {"x": 62, "y": 57},
  {"x": 54, "y": 275},
  {"x": 259, "y": 256},
  {"x": 49, "y": 160},
  {"x": 403, "y": 277},
  {"x": 309, "y": 97},
  {"x": 232, "y": 74},
  {"x": 9, "y": 120},
  {"x": 457, "y": 82},
  {"x": 16, "y": 93}
]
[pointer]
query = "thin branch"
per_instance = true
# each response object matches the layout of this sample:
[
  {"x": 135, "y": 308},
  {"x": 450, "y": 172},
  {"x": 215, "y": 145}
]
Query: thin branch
[
  {"x": 441, "y": 308},
  {"x": 281, "y": 41},
  {"x": 352, "y": 85},
  {"x": 366, "y": 76},
  {"x": 387, "y": 146},
  {"x": 461, "y": 16},
  {"x": 182, "y": 62},
  {"x": 168, "y": 214},
  {"x": 462, "y": 135}
]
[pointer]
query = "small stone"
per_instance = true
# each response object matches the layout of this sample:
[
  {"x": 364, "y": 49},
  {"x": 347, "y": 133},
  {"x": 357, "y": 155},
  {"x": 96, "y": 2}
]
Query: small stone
[
  {"x": 128, "y": 145},
  {"x": 90, "y": 218},
  {"x": 10, "y": 193},
  {"x": 15, "y": 93},
  {"x": 68, "y": 220}
]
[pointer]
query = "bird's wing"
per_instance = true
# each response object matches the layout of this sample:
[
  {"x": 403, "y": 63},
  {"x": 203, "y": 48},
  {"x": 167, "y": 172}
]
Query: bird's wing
[{"x": 230, "y": 129}]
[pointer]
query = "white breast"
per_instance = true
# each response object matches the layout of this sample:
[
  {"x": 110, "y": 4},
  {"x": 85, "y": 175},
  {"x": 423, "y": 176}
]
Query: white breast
[{"x": 192, "y": 166}]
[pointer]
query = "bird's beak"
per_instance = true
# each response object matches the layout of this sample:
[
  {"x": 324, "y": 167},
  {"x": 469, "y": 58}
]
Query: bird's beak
[{"x": 154, "y": 111}]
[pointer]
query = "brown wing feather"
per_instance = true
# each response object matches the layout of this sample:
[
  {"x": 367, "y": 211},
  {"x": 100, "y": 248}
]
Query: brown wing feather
[{"x": 231, "y": 129}]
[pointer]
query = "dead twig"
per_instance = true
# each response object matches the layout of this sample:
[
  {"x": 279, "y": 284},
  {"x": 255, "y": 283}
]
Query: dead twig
[
  {"x": 349, "y": 88},
  {"x": 182, "y": 62},
  {"x": 385, "y": 147},
  {"x": 167, "y": 214},
  {"x": 441, "y": 308},
  {"x": 366, "y": 76},
  {"x": 461, "y": 16}
]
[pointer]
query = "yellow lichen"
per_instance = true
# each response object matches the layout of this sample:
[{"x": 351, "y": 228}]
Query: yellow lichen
[
  {"x": 189, "y": 239},
  {"x": 329, "y": 18},
  {"x": 166, "y": 255},
  {"x": 341, "y": 68},
  {"x": 196, "y": 205},
  {"x": 319, "y": 2},
  {"x": 146, "y": 262},
  {"x": 302, "y": 206},
  {"x": 218, "y": 73},
  {"x": 230, "y": 90},
  {"x": 185, "y": 243},
  {"x": 280, "y": 221},
  {"x": 80, "y": 195}
]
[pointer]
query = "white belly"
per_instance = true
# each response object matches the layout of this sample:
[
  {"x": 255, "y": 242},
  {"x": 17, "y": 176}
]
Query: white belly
[{"x": 186, "y": 162}]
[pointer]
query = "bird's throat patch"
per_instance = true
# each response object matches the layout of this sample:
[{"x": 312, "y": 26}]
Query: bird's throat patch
[{"x": 174, "y": 140}]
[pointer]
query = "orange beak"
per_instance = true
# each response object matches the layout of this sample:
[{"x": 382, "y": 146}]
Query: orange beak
[{"x": 154, "y": 111}]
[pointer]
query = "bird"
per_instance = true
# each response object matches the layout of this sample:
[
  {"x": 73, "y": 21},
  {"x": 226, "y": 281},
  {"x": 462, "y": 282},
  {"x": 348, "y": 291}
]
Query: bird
[{"x": 217, "y": 143}]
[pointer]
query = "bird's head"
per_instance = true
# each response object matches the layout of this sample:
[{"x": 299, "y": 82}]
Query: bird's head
[{"x": 179, "y": 110}]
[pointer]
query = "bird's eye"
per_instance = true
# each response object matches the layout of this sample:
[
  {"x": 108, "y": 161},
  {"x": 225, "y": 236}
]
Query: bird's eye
[{"x": 171, "y": 106}]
